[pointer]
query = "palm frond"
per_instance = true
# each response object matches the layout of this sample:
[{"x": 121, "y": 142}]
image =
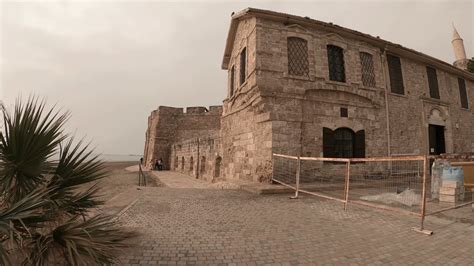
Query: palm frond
[
  {"x": 96, "y": 240},
  {"x": 76, "y": 167},
  {"x": 30, "y": 138}
]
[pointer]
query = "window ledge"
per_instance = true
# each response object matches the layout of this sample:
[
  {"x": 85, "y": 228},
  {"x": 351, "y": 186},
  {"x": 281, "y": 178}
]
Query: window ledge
[
  {"x": 305, "y": 78},
  {"x": 337, "y": 83},
  {"x": 434, "y": 101},
  {"x": 398, "y": 95}
]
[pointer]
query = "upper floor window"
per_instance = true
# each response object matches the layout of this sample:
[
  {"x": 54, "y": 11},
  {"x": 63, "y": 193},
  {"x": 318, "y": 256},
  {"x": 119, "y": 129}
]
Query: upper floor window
[
  {"x": 336, "y": 63},
  {"x": 343, "y": 143},
  {"x": 395, "y": 73},
  {"x": 367, "y": 69},
  {"x": 433, "y": 82},
  {"x": 297, "y": 56},
  {"x": 243, "y": 63},
  {"x": 463, "y": 93},
  {"x": 232, "y": 80}
]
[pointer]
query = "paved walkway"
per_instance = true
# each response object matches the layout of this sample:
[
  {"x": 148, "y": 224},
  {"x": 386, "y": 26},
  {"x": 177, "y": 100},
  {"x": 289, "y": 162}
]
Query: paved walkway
[
  {"x": 177, "y": 180},
  {"x": 198, "y": 226}
]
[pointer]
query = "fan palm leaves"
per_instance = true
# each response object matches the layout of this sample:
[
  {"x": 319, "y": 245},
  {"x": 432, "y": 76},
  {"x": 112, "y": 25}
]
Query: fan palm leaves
[{"x": 48, "y": 186}]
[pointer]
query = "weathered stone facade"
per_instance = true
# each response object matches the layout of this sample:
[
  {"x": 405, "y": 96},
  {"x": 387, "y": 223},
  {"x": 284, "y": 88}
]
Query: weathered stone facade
[{"x": 273, "y": 111}]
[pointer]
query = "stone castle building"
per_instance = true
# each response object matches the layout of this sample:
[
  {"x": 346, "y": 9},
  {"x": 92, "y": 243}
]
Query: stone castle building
[{"x": 299, "y": 86}]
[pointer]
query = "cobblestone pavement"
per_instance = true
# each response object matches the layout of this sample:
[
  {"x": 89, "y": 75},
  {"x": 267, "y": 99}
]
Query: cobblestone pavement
[
  {"x": 212, "y": 227},
  {"x": 178, "y": 180}
]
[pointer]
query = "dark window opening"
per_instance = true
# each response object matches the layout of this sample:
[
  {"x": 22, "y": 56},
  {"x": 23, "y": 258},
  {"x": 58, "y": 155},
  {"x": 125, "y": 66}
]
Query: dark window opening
[
  {"x": 298, "y": 64},
  {"x": 191, "y": 164},
  {"x": 433, "y": 82},
  {"x": 343, "y": 143},
  {"x": 344, "y": 112},
  {"x": 463, "y": 93},
  {"x": 367, "y": 69},
  {"x": 395, "y": 73},
  {"x": 243, "y": 62},
  {"x": 232, "y": 80},
  {"x": 182, "y": 163},
  {"x": 336, "y": 63}
]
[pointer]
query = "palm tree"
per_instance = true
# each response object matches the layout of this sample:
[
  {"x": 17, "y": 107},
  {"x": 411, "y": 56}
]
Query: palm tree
[{"x": 48, "y": 187}]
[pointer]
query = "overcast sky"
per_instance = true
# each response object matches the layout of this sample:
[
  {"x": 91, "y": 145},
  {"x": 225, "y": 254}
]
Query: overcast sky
[{"x": 111, "y": 63}]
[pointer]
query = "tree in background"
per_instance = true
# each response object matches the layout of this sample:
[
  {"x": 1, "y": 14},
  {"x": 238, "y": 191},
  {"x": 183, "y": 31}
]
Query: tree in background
[
  {"x": 48, "y": 191},
  {"x": 470, "y": 65}
]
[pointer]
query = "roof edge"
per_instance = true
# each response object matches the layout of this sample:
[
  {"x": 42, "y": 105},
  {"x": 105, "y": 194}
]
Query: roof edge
[{"x": 394, "y": 48}]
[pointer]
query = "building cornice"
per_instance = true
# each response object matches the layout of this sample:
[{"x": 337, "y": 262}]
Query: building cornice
[{"x": 390, "y": 47}]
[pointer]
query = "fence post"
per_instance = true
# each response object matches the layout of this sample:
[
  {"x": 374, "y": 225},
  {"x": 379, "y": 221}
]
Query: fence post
[
  {"x": 423, "y": 199},
  {"x": 346, "y": 186},
  {"x": 139, "y": 173},
  {"x": 298, "y": 172}
]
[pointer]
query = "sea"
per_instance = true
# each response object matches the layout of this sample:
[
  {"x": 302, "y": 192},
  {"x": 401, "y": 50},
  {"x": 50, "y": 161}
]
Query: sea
[{"x": 120, "y": 157}]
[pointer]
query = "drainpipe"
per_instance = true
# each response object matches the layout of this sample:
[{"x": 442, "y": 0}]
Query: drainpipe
[{"x": 383, "y": 60}]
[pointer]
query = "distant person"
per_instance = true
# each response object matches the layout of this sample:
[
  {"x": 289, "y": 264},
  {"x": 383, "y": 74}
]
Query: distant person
[
  {"x": 160, "y": 164},
  {"x": 157, "y": 165},
  {"x": 141, "y": 160}
]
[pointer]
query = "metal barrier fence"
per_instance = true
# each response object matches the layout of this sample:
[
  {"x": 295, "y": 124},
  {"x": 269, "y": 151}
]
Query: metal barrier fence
[
  {"x": 390, "y": 183},
  {"x": 403, "y": 184}
]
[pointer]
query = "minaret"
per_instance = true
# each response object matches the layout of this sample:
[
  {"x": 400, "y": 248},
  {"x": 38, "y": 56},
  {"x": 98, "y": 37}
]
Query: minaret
[{"x": 459, "y": 51}]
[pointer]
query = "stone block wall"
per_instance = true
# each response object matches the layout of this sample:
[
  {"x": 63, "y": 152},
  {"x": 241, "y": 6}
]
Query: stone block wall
[
  {"x": 200, "y": 158},
  {"x": 273, "y": 111},
  {"x": 169, "y": 125}
]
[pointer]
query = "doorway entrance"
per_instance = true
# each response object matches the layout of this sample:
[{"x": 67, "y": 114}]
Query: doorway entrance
[{"x": 437, "y": 143}]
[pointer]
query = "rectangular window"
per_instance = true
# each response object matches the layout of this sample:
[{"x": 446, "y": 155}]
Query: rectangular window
[
  {"x": 395, "y": 73},
  {"x": 367, "y": 68},
  {"x": 336, "y": 63},
  {"x": 344, "y": 112},
  {"x": 432, "y": 82},
  {"x": 297, "y": 56},
  {"x": 232, "y": 77},
  {"x": 463, "y": 93},
  {"x": 243, "y": 62}
]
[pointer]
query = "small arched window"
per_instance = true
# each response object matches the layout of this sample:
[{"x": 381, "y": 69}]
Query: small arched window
[
  {"x": 243, "y": 66},
  {"x": 232, "y": 80},
  {"x": 336, "y": 63},
  {"x": 217, "y": 167},
  {"x": 203, "y": 164},
  {"x": 297, "y": 56},
  {"x": 343, "y": 143}
]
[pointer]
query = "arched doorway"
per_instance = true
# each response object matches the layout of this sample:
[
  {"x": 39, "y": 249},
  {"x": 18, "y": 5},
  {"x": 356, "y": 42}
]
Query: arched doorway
[
  {"x": 217, "y": 167},
  {"x": 182, "y": 163},
  {"x": 203, "y": 165}
]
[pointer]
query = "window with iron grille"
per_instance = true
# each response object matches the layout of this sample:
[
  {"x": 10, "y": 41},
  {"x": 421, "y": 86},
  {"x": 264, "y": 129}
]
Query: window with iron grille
[
  {"x": 336, "y": 63},
  {"x": 297, "y": 56},
  {"x": 232, "y": 78},
  {"x": 395, "y": 73},
  {"x": 243, "y": 62},
  {"x": 463, "y": 93},
  {"x": 367, "y": 68},
  {"x": 433, "y": 82}
]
